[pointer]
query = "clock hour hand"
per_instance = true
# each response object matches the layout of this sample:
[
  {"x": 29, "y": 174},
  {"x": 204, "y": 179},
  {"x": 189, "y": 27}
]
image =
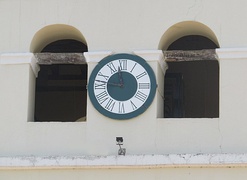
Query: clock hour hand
[{"x": 110, "y": 83}]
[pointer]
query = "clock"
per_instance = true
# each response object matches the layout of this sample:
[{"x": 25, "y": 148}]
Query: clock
[{"x": 122, "y": 86}]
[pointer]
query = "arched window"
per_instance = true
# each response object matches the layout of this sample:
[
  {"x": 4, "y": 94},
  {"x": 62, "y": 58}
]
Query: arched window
[
  {"x": 61, "y": 86},
  {"x": 192, "y": 87}
]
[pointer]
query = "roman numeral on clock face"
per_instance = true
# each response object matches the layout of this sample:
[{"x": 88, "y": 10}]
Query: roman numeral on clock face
[
  {"x": 104, "y": 76},
  {"x": 99, "y": 85},
  {"x": 110, "y": 104},
  {"x": 121, "y": 109},
  {"x": 144, "y": 85},
  {"x": 123, "y": 64},
  {"x": 102, "y": 97},
  {"x": 133, "y": 105},
  {"x": 141, "y": 75},
  {"x": 141, "y": 96},
  {"x": 112, "y": 67},
  {"x": 133, "y": 67}
]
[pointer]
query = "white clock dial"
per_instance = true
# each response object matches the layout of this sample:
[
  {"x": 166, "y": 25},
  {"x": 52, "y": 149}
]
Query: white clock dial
[
  {"x": 124, "y": 76},
  {"x": 122, "y": 86}
]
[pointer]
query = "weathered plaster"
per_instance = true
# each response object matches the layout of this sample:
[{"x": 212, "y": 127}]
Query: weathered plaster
[{"x": 129, "y": 161}]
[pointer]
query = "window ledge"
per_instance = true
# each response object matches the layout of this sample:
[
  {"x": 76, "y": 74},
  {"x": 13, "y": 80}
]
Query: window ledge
[
  {"x": 56, "y": 123},
  {"x": 232, "y": 53},
  {"x": 124, "y": 162},
  {"x": 188, "y": 119},
  {"x": 20, "y": 58}
]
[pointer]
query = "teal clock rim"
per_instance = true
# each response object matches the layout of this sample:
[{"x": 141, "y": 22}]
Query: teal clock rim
[{"x": 140, "y": 110}]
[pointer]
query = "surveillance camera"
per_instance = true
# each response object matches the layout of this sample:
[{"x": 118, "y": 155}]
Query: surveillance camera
[{"x": 119, "y": 139}]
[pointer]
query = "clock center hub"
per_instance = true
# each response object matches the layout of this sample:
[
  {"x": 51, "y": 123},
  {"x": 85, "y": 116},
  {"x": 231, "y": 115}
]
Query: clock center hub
[{"x": 124, "y": 91}]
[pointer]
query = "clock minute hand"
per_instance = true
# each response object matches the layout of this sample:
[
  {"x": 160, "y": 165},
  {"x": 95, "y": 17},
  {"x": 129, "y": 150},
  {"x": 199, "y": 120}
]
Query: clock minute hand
[{"x": 120, "y": 77}]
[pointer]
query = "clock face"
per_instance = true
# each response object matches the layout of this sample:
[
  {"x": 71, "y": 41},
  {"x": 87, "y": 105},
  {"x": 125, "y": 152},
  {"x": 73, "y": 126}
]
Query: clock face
[{"x": 122, "y": 86}]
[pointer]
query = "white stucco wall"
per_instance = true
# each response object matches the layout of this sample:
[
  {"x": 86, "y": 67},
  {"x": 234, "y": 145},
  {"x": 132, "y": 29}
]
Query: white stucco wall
[
  {"x": 106, "y": 25},
  {"x": 119, "y": 26},
  {"x": 109, "y": 26},
  {"x": 145, "y": 134}
]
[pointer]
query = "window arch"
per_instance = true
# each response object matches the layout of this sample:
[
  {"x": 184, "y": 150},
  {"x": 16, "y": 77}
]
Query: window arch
[
  {"x": 192, "y": 87},
  {"x": 186, "y": 28},
  {"x": 52, "y": 33},
  {"x": 60, "y": 93}
]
